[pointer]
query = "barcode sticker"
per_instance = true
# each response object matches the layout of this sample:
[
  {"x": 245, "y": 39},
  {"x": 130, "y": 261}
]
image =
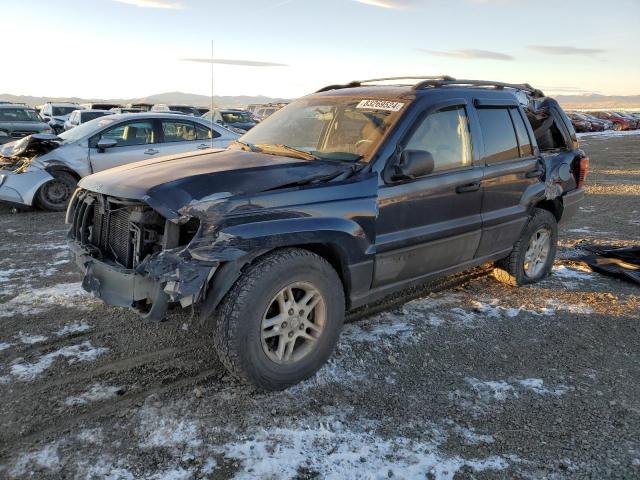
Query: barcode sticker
[{"x": 380, "y": 105}]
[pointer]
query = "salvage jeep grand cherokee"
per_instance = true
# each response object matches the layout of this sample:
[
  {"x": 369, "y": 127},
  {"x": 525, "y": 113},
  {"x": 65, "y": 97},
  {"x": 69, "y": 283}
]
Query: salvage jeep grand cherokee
[{"x": 337, "y": 200}]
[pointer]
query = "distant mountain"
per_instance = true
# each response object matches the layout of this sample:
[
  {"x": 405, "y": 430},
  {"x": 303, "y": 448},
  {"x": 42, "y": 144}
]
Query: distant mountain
[
  {"x": 593, "y": 100},
  {"x": 584, "y": 101},
  {"x": 169, "y": 97}
]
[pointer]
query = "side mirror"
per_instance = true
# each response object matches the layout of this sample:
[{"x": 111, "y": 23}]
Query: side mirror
[
  {"x": 105, "y": 143},
  {"x": 414, "y": 164}
]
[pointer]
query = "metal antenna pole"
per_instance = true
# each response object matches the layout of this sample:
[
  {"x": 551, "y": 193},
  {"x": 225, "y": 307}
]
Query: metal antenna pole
[{"x": 212, "y": 93}]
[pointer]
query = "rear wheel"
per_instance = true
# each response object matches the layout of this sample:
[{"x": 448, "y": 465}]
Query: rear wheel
[
  {"x": 55, "y": 194},
  {"x": 617, "y": 127},
  {"x": 281, "y": 320},
  {"x": 533, "y": 254}
]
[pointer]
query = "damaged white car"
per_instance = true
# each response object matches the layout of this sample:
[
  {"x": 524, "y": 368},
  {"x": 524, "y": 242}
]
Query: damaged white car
[{"x": 43, "y": 170}]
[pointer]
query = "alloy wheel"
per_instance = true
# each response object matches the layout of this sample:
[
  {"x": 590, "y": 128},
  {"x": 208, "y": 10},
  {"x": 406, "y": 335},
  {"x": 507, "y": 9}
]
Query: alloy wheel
[
  {"x": 537, "y": 252},
  {"x": 293, "y": 322}
]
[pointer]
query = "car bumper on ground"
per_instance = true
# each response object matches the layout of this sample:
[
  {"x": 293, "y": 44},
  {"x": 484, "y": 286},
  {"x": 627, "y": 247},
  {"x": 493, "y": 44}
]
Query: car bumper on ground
[
  {"x": 113, "y": 284},
  {"x": 571, "y": 202},
  {"x": 21, "y": 188}
]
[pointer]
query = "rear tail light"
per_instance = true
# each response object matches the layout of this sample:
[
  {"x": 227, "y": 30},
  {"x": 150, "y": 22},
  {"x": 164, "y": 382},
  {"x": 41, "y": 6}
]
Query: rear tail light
[{"x": 583, "y": 169}]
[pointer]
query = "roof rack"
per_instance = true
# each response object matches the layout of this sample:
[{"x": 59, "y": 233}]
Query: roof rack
[
  {"x": 359, "y": 83},
  {"x": 477, "y": 83},
  {"x": 441, "y": 81}
]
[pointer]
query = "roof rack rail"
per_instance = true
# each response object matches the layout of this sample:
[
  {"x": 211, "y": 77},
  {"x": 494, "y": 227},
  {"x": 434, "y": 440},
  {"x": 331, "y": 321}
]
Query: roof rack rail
[
  {"x": 359, "y": 83},
  {"x": 478, "y": 83},
  {"x": 441, "y": 81}
]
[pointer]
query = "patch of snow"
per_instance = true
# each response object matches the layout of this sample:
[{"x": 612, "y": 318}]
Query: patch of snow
[
  {"x": 46, "y": 458},
  {"x": 73, "y": 328},
  {"x": 29, "y": 339},
  {"x": 575, "y": 308},
  {"x": 173, "y": 474},
  {"x": 473, "y": 438},
  {"x": 339, "y": 453},
  {"x": 501, "y": 390},
  {"x": 6, "y": 275},
  {"x": 572, "y": 273},
  {"x": 38, "y": 300},
  {"x": 491, "y": 389},
  {"x": 84, "y": 352},
  {"x": 537, "y": 386},
  {"x": 5, "y": 345},
  {"x": 91, "y": 435},
  {"x": 580, "y": 230},
  {"x": 367, "y": 332},
  {"x": 96, "y": 393},
  {"x": 160, "y": 430}
]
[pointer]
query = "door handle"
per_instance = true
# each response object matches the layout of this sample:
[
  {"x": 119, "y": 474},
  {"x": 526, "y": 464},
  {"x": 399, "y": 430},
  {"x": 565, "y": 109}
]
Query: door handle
[
  {"x": 151, "y": 151},
  {"x": 471, "y": 187},
  {"x": 534, "y": 173}
]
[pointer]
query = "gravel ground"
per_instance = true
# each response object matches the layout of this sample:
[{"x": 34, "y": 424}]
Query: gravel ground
[{"x": 476, "y": 381}]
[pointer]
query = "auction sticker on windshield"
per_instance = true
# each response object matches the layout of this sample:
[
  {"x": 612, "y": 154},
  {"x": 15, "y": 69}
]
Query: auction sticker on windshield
[{"x": 381, "y": 105}]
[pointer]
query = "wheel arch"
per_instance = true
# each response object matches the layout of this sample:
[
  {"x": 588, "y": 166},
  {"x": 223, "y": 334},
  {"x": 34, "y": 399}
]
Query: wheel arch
[{"x": 229, "y": 272}]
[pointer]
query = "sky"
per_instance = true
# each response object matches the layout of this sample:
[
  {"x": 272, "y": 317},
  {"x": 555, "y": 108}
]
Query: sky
[{"x": 136, "y": 48}]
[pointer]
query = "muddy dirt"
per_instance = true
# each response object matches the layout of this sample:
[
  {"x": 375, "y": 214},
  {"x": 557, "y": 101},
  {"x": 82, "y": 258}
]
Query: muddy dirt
[{"x": 477, "y": 380}]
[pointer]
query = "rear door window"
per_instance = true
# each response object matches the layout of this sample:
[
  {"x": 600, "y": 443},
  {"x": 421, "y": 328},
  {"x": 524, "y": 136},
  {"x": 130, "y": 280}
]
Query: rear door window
[
  {"x": 178, "y": 131},
  {"x": 500, "y": 142}
]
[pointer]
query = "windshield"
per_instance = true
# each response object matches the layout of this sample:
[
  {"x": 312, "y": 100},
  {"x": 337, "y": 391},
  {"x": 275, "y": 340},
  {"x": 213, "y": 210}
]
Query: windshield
[
  {"x": 62, "y": 111},
  {"x": 185, "y": 110},
  {"x": 88, "y": 116},
  {"x": 340, "y": 128},
  {"x": 236, "y": 117},
  {"x": 19, "y": 115},
  {"x": 85, "y": 129}
]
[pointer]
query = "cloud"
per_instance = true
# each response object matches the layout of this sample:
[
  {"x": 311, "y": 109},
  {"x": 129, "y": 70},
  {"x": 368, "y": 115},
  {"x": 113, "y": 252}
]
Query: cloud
[
  {"x": 564, "y": 50},
  {"x": 227, "y": 61},
  {"x": 469, "y": 54},
  {"x": 392, "y": 4},
  {"x": 165, "y": 4}
]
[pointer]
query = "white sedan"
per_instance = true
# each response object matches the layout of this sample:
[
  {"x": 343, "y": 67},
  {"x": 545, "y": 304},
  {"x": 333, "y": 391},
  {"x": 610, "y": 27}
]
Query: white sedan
[{"x": 44, "y": 169}]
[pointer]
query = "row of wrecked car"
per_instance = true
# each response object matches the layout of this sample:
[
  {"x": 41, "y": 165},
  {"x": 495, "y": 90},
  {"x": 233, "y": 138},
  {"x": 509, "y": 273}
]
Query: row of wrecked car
[{"x": 600, "y": 121}]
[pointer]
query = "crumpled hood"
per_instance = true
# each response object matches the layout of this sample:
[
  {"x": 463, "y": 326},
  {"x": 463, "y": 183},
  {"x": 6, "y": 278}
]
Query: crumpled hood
[
  {"x": 32, "y": 145},
  {"x": 173, "y": 182}
]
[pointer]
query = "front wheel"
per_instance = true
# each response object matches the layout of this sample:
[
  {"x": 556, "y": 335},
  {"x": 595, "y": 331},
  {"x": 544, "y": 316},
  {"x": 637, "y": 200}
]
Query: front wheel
[
  {"x": 281, "y": 320},
  {"x": 55, "y": 194},
  {"x": 533, "y": 254}
]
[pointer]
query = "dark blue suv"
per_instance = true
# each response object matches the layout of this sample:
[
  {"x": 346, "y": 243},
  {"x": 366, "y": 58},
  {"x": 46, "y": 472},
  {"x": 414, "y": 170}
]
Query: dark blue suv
[{"x": 344, "y": 197}]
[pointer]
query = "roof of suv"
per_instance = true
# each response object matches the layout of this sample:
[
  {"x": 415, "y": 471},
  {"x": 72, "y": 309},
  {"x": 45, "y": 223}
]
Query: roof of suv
[{"x": 418, "y": 85}]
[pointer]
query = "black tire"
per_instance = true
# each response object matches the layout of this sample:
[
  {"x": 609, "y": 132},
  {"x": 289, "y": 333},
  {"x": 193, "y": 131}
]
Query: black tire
[
  {"x": 511, "y": 270},
  {"x": 238, "y": 323},
  {"x": 55, "y": 194}
]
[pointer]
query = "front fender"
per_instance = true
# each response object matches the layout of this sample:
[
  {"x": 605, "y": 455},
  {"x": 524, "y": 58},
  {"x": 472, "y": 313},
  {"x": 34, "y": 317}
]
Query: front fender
[{"x": 21, "y": 188}]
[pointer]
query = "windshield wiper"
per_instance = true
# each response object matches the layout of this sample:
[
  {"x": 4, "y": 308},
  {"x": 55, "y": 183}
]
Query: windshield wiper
[
  {"x": 303, "y": 154},
  {"x": 250, "y": 147}
]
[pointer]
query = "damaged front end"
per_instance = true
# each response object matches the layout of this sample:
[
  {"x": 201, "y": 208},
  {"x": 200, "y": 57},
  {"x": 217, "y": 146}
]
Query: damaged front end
[
  {"x": 134, "y": 257},
  {"x": 19, "y": 179}
]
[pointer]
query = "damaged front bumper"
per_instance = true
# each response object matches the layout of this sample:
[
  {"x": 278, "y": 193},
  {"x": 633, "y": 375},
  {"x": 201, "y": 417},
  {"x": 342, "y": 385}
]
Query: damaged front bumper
[
  {"x": 150, "y": 287},
  {"x": 21, "y": 188}
]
